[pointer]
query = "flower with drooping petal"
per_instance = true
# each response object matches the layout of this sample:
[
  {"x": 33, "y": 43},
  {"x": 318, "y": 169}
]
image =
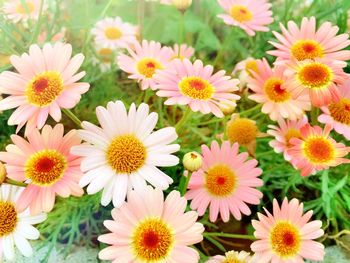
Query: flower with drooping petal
[
  {"x": 44, "y": 162},
  {"x": 125, "y": 152},
  {"x": 249, "y": 15},
  {"x": 113, "y": 33},
  {"x": 278, "y": 100},
  {"x": 226, "y": 182},
  {"x": 46, "y": 82},
  {"x": 316, "y": 150},
  {"x": 283, "y": 133},
  {"x": 287, "y": 235},
  {"x": 338, "y": 113},
  {"x": 194, "y": 84},
  {"x": 232, "y": 257},
  {"x": 106, "y": 57},
  {"x": 16, "y": 10},
  {"x": 144, "y": 60},
  {"x": 308, "y": 43},
  {"x": 148, "y": 228},
  {"x": 243, "y": 70},
  {"x": 182, "y": 51},
  {"x": 16, "y": 226}
]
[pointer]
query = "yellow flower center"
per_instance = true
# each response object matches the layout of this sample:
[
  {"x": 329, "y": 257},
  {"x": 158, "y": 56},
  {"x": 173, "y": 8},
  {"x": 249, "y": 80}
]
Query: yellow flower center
[
  {"x": 306, "y": 49},
  {"x": 242, "y": 130},
  {"x": 105, "y": 54},
  {"x": 241, "y": 13},
  {"x": 292, "y": 133},
  {"x": 26, "y": 8},
  {"x": 285, "y": 239},
  {"x": 45, "y": 167},
  {"x": 340, "y": 111},
  {"x": 152, "y": 240},
  {"x": 126, "y": 154},
  {"x": 250, "y": 66},
  {"x": 148, "y": 67},
  {"x": 315, "y": 75},
  {"x": 220, "y": 180},
  {"x": 8, "y": 218},
  {"x": 232, "y": 259},
  {"x": 196, "y": 88},
  {"x": 44, "y": 88},
  {"x": 275, "y": 91},
  {"x": 318, "y": 149},
  {"x": 113, "y": 33}
]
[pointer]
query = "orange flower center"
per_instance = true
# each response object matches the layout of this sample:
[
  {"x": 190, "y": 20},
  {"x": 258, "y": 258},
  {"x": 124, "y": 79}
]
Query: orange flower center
[
  {"x": 26, "y": 8},
  {"x": 318, "y": 149},
  {"x": 105, "y": 54},
  {"x": 44, "y": 88},
  {"x": 285, "y": 239},
  {"x": 241, "y": 13},
  {"x": 242, "y": 130},
  {"x": 315, "y": 75},
  {"x": 196, "y": 88},
  {"x": 220, "y": 180},
  {"x": 250, "y": 66},
  {"x": 152, "y": 240},
  {"x": 148, "y": 67},
  {"x": 113, "y": 33},
  {"x": 340, "y": 111},
  {"x": 45, "y": 167},
  {"x": 126, "y": 154},
  {"x": 292, "y": 133},
  {"x": 8, "y": 218},
  {"x": 275, "y": 91},
  {"x": 306, "y": 49}
]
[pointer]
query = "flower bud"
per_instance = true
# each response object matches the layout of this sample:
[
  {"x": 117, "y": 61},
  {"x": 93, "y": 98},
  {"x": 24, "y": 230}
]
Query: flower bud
[
  {"x": 192, "y": 161},
  {"x": 182, "y": 5}
]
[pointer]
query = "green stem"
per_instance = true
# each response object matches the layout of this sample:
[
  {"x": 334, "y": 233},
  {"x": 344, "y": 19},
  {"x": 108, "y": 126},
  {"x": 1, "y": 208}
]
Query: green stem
[
  {"x": 141, "y": 16},
  {"x": 13, "y": 182},
  {"x": 38, "y": 24},
  {"x": 72, "y": 116},
  {"x": 258, "y": 106},
  {"x": 183, "y": 120},
  {"x": 238, "y": 236},
  {"x": 314, "y": 115},
  {"x": 181, "y": 30},
  {"x": 184, "y": 183}
]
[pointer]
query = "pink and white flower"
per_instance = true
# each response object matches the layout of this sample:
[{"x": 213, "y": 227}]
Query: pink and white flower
[{"x": 18, "y": 10}]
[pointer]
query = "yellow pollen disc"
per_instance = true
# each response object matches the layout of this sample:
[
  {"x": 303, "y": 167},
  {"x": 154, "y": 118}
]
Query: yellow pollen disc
[
  {"x": 241, "y": 13},
  {"x": 148, "y": 66},
  {"x": 27, "y": 8},
  {"x": 285, "y": 239},
  {"x": 292, "y": 133},
  {"x": 113, "y": 33},
  {"x": 275, "y": 91},
  {"x": 105, "y": 54},
  {"x": 152, "y": 240},
  {"x": 126, "y": 154},
  {"x": 196, "y": 88},
  {"x": 44, "y": 88},
  {"x": 315, "y": 75},
  {"x": 220, "y": 180},
  {"x": 251, "y": 65},
  {"x": 45, "y": 167},
  {"x": 306, "y": 49},
  {"x": 318, "y": 150},
  {"x": 340, "y": 111},
  {"x": 232, "y": 259},
  {"x": 242, "y": 130},
  {"x": 8, "y": 218}
]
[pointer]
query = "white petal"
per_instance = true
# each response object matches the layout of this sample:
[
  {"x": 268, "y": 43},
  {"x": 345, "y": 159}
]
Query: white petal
[
  {"x": 120, "y": 189},
  {"x": 23, "y": 245}
]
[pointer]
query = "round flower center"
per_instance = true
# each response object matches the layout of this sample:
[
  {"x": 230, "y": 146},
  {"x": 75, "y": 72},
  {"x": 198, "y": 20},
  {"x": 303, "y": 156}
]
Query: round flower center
[
  {"x": 45, "y": 167},
  {"x": 220, "y": 180},
  {"x": 44, "y": 88},
  {"x": 250, "y": 66},
  {"x": 275, "y": 91},
  {"x": 105, "y": 54},
  {"x": 292, "y": 133},
  {"x": 318, "y": 149},
  {"x": 126, "y": 154},
  {"x": 152, "y": 240},
  {"x": 315, "y": 75},
  {"x": 26, "y": 8},
  {"x": 340, "y": 111},
  {"x": 232, "y": 259},
  {"x": 243, "y": 131},
  {"x": 113, "y": 33},
  {"x": 241, "y": 13},
  {"x": 285, "y": 239},
  {"x": 148, "y": 67},
  {"x": 8, "y": 218},
  {"x": 306, "y": 49},
  {"x": 196, "y": 88}
]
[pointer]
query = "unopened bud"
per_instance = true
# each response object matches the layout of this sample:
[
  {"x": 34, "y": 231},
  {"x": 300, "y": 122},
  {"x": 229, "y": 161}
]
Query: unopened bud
[
  {"x": 192, "y": 161},
  {"x": 2, "y": 173},
  {"x": 227, "y": 108},
  {"x": 182, "y": 5}
]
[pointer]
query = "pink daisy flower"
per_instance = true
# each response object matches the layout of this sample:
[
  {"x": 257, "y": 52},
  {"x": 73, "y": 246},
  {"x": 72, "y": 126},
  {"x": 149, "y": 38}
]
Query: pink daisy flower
[
  {"x": 232, "y": 256},
  {"x": 319, "y": 77},
  {"x": 44, "y": 162},
  {"x": 249, "y": 15},
  {"x": 225, "y": 183},
  {"x": 46, "y": 82},
  {"x": 269, "y": 87},
  {"x": 194, "y": 84},
  {"x": 150, "y": 229},
  {"x": 113, "y": 33},
  {"x": 144, "y": 60},
  {"x": 316, "y": 150},
  {"x": 16, "y": 11},
  {"x": 243, "y": 70},
  {"x": 285, "y": 131},
  {"x": 308, "y": 43},
  {"x": 182, "y": 51},
  {"x": 338, "y": 113},
  {"x": 287, "y": 235}
]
